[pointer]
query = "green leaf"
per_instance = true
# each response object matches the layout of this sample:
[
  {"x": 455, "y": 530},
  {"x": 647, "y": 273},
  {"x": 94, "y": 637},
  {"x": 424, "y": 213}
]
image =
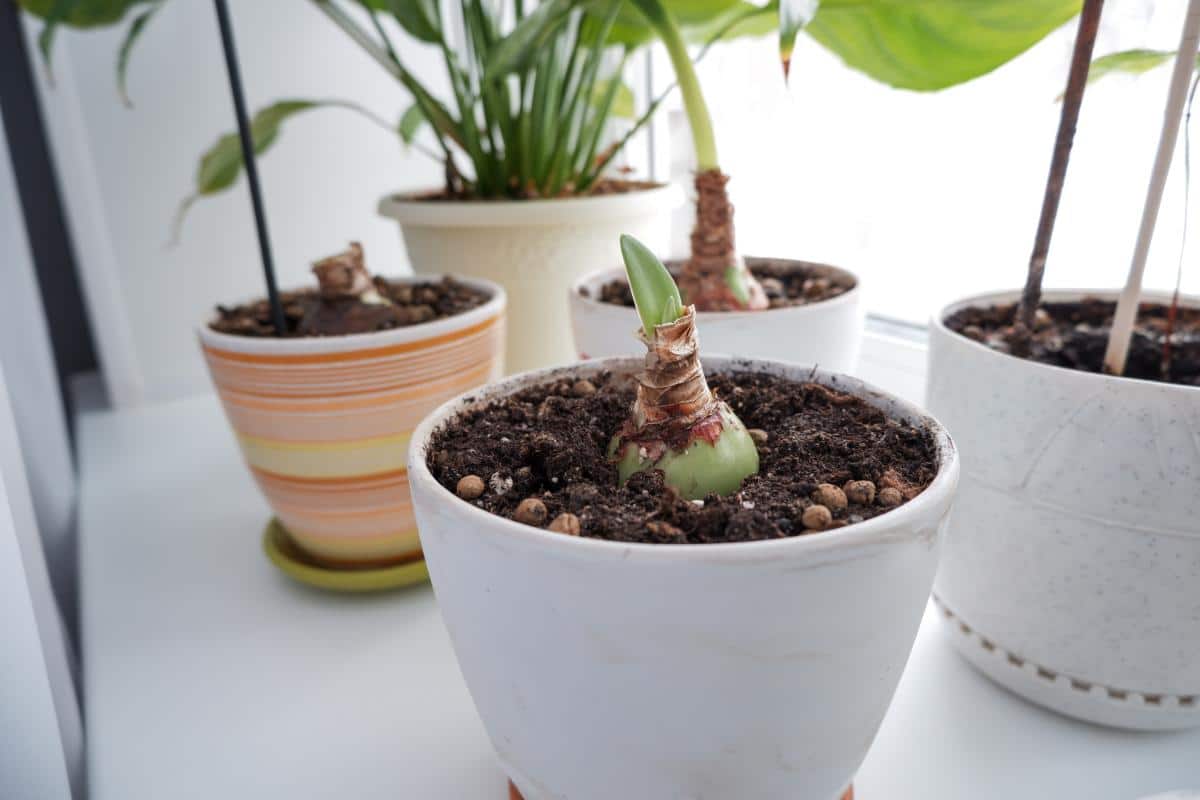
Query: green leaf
[
  {"x": 131, "y": 35},
  {"x": 74, "y": 14},
  {"x": 623, "y": 104},
  {"x": 1129, "y": 62},
  {"x": 411, "y": 122},
  {"x": 698, "y": 20},
  {"x": 418, "y": 17},
  {"x": 793, "y": 16},
  {"x": 81, "y": 13},
  {"x": 927, "y": 45},
  {"x": 222, "y": 163},
  {"x": 654, "y": 291},
  {"x": 517, "y": 51}
]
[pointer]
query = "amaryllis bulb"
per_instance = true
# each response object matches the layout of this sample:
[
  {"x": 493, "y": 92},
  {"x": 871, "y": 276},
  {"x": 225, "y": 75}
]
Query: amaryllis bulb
[{"x": 676, "y": 424}]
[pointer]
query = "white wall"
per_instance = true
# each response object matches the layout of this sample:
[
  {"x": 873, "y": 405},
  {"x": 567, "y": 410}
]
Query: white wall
[{"x": 125, "y": 171}]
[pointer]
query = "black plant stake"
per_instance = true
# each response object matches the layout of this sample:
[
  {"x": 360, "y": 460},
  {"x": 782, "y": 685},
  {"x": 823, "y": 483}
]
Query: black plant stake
[{"x": 247, "y": 139}]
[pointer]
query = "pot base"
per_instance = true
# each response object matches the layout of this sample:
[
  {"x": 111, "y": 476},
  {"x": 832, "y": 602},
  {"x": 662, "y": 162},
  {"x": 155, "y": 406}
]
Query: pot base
[
  {"x": 515, "y": 794},
  {"x": 290, "y": 560},
  {"x": 1065, "y": 694}
]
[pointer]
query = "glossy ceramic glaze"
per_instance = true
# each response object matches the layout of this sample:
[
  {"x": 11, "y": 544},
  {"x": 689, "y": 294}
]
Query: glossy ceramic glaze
[
  {"x": 536, "y": 249},
  {"x": 324, "y": 422},
  {"x": 753, "y": 670},
  {"x": 1072, "y": 567},
  {"x": 828, "y": 334}
]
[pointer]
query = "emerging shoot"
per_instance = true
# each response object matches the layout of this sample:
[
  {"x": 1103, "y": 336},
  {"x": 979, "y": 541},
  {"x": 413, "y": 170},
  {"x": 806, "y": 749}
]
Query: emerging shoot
[{"x": 676, "y": 424}]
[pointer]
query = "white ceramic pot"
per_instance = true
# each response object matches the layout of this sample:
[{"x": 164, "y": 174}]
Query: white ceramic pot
[
  {"x": 536, "y": 249},
  {"x": 828, "y": 334},
  {"x": 751, "y": 670},
  {"x": 324, "y": 422},
  {"x": 1072, "y": 569}
]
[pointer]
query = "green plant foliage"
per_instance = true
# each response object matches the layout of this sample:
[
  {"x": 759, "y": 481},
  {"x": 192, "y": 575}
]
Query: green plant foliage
[
  {"x": 654, "y": 291},
  {"x": 928, "y": 45},
  {"x": 1129, "y": 62},
  {"x": 131, "y": 36},
  {"x": 222, "y": 163}
]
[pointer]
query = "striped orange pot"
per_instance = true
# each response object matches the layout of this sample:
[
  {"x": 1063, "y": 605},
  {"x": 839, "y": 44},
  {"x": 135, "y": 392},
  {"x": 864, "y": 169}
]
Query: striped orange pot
[{"x": 323, "y": 423}]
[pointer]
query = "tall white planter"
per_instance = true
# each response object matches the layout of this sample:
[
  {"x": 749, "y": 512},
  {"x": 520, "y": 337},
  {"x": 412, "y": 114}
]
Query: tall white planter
[
  {"x": 828, "y": 334},
  {"x": 535, "y": 249},
  {"x": 1072, "y": 568},
  {"x": 757, "y": 671}
]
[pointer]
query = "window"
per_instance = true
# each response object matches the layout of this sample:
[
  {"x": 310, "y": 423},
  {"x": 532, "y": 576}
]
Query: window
[{"x": 932, "y": 197}]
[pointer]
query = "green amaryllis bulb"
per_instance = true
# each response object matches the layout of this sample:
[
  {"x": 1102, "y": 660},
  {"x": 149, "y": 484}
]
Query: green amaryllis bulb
[{"x": 676, "y": 425}]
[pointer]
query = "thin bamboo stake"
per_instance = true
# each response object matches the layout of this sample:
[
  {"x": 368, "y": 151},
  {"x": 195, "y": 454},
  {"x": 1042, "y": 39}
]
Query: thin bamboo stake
[
  {"x": 1081, "y": 61},
  {"x": 1127, "y": 307}
]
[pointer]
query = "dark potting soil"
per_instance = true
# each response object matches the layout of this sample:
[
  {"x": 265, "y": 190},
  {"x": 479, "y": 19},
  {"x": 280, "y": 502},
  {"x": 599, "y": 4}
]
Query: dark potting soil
[
  {"x": 1075, "y": 336},
  {"x": 307, "y": 315},
  {"x": 787, "y": 283},
  {"x": 549, "y": 442},
  {"x": 605, "y": 186}
]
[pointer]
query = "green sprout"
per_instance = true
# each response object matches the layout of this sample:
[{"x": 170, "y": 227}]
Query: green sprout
[{"x": 677, "y": 425}]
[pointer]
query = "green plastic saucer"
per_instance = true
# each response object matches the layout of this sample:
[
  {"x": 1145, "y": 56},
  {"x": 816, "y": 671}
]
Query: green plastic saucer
[{"x": 287, "y": 557}]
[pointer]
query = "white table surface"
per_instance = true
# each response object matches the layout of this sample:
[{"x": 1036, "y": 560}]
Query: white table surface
[{"x": 209, "y": 675}]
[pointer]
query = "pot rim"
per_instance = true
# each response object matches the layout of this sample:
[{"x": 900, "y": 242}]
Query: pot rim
[
  {"x": 852, "y": 296},
  {"x": 254, "y": 345},
  {"x": 408, "y": 209},
  {"x": 891, "y": 526},
  {"x": 937, "y": 325}
]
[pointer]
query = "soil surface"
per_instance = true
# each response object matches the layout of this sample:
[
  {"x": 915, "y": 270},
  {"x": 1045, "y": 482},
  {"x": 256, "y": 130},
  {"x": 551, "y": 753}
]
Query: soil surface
[
  {"x": 1075, "y": 335},
  {"x": 308, "y": 315},
  {"x": 604, "y": 186},
  {"x": 787, "y": 283},
  {"x": 549, "y": 442}
]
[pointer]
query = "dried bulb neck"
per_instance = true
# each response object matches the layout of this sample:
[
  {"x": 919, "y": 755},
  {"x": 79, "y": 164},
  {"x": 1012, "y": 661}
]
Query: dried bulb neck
[
  {"x": 672, "y": 392},
  {"x": 344, "y": 276}
]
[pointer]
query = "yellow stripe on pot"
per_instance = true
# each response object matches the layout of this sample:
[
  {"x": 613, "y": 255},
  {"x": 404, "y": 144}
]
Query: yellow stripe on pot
[{"x": 327, "y": 459}]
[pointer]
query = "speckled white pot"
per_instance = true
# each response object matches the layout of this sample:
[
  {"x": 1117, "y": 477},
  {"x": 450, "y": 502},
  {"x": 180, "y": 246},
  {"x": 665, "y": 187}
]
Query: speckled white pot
[
  {"x": 757, "y": 671},
  {"x": 828, "y": 334},
  {"x": 535, "y": 249},
  {"x": 1072, "y": 569}
]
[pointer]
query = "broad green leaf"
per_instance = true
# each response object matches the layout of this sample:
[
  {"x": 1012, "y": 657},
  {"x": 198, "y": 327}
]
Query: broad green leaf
[
  {"x": 523, "y": 44},
  {"x": 623, "y": 105},
  {"x": 654, "y": 291},
  {"x": 411, "y": 122},
  {"x": 131, "y": 35},
  {"x": 418, "y": 17},
  {"x": 927, "y": 45},
  {"x": 793, "y": 16}
]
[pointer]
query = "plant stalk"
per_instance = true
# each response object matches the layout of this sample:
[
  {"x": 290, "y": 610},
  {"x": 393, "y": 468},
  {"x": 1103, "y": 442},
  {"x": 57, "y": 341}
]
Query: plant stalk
[
  {"x": 699, "y": 119},
  {"x": 1081, "y": 60},
  {"x": 1127, "y": 306}
]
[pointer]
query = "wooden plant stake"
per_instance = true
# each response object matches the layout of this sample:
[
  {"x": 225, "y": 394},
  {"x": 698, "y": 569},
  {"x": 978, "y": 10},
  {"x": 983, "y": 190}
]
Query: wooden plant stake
[
  {"x": 1127, "y": 306},
  {"x": 1081, "y": 61},
  {"x": 245, "y": 134}
]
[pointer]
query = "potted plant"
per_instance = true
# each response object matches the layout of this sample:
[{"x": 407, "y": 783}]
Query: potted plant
[
  {"x": 1070, "y": 569},
  {"x": 672, "y": 575},
  {"x": 323, "y": 411},
  {"x": 779, "y": 308},
  {"x": 322, "y": 386}
]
